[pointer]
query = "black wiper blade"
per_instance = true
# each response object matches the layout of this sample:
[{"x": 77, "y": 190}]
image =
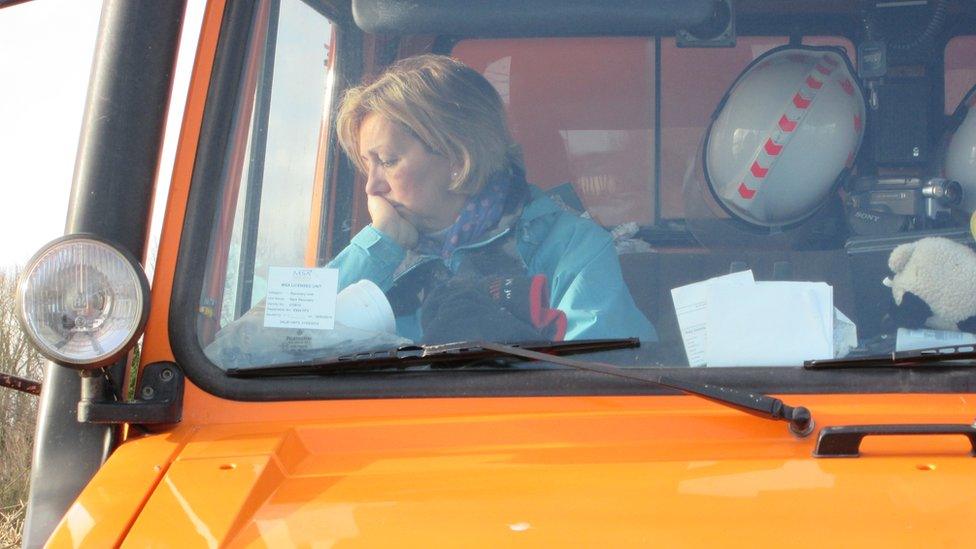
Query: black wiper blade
[
  {"x": 432, "y": 355},
  {"x": 764, "y": 406},
  {"x": 898, "y": 359}
]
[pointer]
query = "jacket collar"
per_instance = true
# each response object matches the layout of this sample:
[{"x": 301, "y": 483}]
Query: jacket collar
[{"x": 537, "y": 206}]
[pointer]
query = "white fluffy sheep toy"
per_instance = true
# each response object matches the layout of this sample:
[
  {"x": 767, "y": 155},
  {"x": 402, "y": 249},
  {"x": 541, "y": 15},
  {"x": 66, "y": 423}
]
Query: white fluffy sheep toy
[{"x": 934, "y": 285}]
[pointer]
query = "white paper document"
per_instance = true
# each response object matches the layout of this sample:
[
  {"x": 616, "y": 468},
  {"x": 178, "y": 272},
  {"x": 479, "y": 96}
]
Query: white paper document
[
  {"x": 769, "y": 324},
  {"x": 845, "y": 334},
  {"x": 691, "y": 308},
  {"x": 301, "y": 297},
  {"x": 733, "y": 320}
]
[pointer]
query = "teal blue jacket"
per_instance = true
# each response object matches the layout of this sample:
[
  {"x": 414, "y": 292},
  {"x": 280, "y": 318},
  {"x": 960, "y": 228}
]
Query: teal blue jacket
[{"x": 575, "y": 254}]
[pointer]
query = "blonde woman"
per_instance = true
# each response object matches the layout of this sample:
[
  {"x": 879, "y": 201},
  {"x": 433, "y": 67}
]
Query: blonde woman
[{"x": 461, "y": 244}]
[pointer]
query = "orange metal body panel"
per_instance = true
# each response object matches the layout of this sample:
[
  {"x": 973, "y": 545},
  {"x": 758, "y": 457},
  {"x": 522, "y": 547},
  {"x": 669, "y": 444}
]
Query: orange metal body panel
[
  {"x": 105, "y": 511},
  {"x": 571, "y": 470}
]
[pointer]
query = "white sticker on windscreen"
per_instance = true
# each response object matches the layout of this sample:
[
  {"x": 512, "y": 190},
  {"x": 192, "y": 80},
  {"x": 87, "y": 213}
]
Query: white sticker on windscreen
[{"x": 300, "y": 297}]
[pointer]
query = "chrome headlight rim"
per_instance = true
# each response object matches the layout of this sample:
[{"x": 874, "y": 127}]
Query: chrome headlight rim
[{"x": 143, "y": 292}]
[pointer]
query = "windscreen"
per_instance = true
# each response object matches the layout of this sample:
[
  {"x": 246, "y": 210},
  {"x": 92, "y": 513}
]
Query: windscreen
[{"x": 763, "y": 203}]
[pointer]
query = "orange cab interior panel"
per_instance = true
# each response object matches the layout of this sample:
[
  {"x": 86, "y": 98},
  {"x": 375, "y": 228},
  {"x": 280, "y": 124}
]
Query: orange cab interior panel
[{"x": 591, "y": 128}]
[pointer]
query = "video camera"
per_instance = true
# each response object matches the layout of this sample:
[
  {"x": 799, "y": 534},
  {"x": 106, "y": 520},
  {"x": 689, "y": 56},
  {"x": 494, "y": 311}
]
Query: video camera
[{"x": 886, "y": 205}]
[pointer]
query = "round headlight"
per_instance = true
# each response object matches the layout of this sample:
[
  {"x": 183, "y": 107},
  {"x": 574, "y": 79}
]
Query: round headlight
[{"x": 83, "y": 301}]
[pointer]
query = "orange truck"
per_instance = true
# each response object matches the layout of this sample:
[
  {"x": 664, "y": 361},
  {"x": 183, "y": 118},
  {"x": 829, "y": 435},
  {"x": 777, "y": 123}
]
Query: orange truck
[{"x": 786, "y": 190}]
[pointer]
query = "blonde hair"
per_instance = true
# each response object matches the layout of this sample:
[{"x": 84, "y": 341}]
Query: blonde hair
[{"x": 447, "y": 106}]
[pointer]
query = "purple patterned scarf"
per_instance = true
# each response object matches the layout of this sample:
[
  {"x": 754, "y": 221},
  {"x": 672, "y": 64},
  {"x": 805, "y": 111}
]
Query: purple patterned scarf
[{"x": 478, "y": 215}]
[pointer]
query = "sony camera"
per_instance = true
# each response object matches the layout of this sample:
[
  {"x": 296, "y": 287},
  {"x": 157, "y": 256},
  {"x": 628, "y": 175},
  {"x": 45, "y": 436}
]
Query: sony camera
[{"x": 886, "y": 205}]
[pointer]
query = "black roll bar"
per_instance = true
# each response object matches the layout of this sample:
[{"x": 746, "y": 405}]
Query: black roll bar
[{"x": 111, "y": 196}]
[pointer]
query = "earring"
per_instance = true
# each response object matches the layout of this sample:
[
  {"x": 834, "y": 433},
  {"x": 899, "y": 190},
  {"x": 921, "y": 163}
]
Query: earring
[{"x": 454, "y": 176}]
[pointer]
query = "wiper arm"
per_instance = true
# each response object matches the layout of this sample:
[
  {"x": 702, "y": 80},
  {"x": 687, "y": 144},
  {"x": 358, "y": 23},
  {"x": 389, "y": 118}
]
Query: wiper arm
[
  {"x": 897, "y": 359},
  {"x": 799, "y": 418},
  {"x": 764, "y": 406},
  {"x": 423, "y": 355}
]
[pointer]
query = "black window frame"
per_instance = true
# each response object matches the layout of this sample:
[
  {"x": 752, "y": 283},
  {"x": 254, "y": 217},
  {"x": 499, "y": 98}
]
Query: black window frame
[{"x": 205, "y": 190}]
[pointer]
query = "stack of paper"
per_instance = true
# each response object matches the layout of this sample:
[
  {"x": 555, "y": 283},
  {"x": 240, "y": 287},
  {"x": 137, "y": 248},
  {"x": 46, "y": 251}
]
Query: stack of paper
[
  {"x": 691, "y": 307},
  {"x": 733, "y": 320}
]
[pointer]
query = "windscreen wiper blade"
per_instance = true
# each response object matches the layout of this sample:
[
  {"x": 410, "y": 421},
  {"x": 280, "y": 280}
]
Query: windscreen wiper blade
[
  {"x": 898, "y": 359},
  {"x": 799, "y": 418},
  {"x": 428, "y": 355}
]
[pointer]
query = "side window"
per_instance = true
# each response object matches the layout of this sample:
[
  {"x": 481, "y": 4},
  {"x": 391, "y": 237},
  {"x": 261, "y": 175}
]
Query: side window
[
  {"x": 960, "y": 70},
  {"x": 274, "y": 173}
]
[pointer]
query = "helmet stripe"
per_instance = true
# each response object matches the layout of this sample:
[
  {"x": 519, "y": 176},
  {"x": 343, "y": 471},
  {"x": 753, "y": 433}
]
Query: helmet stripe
[
  {"x": 758, "y": 171},
  {"x": 746, "y": 192},
  {"x": 772, "y": 149},
  {"x": 848, "y": 87},
  {"x": 800, "y": 101},
  {"x": 786, "y": 124}
]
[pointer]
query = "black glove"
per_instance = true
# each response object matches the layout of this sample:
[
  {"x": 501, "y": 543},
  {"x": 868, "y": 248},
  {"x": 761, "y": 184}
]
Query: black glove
[
  {"x": 527, "y": 297},
  {"x": 463, "y": 310},
  {"x": 495, "y": 308}
]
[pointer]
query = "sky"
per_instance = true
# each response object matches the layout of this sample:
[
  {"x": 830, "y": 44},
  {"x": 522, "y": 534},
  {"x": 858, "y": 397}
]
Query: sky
[{"x": 46, "y": 50}]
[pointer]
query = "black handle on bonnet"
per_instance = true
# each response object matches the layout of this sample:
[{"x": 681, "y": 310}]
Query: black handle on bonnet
[{"x": 846, "y": 441}]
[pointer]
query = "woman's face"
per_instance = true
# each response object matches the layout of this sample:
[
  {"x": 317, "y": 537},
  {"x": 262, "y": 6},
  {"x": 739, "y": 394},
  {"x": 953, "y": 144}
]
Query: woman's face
[{"x": 412, "y": 179}]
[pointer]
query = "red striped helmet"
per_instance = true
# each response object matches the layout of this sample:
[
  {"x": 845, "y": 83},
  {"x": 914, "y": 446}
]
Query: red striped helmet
[
  {"x": 960, "y": 159},
  {"x": 783, "y": 135}
]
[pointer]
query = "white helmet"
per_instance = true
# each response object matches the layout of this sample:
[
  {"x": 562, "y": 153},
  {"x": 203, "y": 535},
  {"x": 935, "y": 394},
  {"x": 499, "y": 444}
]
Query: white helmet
[
  {"x": 960, "y": 159},
  {"x": 783, "y": 134}
]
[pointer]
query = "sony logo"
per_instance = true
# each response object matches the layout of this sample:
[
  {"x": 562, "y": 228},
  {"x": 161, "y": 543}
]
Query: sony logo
[{"x": 867, "y": 217}]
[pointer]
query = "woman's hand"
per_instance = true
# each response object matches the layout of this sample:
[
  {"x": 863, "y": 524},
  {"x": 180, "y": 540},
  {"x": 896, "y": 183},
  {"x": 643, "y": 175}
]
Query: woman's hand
[{"x": 389, "y": 221}]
